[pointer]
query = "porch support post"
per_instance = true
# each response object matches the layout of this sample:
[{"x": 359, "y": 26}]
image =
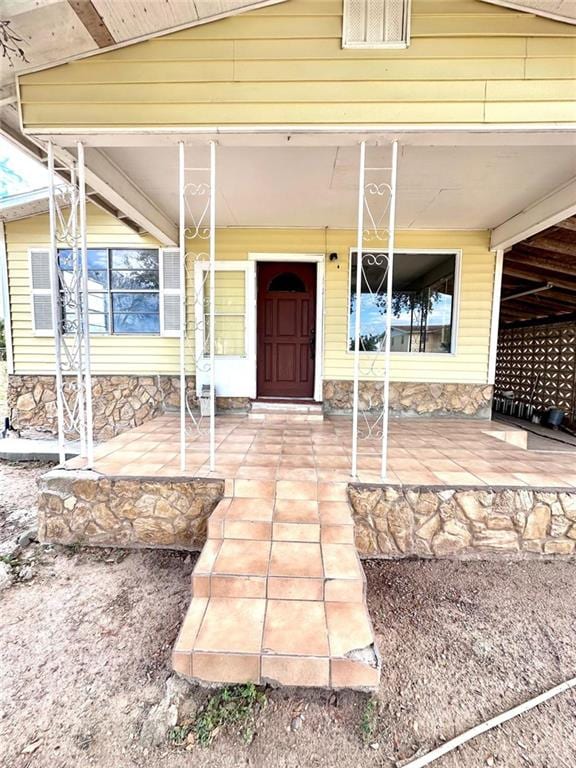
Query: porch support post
[
  {"x": 389, "y": 284},
  {"x": 182, "y": 244},
  {"x": 359, "y": 249},
  {"x": 56, "y": 303},
  {"x": 212, "y": 253},
  {"x": 87, "y": 383}
]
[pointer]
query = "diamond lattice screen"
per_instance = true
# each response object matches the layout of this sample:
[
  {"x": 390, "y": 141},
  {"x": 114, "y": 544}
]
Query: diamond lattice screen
[{"x": 539, "y": 362}]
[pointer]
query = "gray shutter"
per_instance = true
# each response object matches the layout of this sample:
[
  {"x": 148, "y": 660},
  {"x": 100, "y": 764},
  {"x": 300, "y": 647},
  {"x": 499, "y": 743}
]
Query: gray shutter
[
  {"x": 170, "y": 293},
  {"x": 41, "y": 291}
]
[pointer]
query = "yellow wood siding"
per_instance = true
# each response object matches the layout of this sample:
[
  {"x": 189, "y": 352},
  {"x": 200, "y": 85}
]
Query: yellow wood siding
[
  {"x": 154, "y": 354},
  {"x": 468, "y": 62}
]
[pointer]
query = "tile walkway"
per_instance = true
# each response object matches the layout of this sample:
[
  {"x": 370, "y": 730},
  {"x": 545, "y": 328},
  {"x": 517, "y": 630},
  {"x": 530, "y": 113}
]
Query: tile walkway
[
  {"x": 278, "y": 593},
  {"x": 421, "y": 452}
]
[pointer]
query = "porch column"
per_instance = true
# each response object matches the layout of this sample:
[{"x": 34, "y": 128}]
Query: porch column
[
  {"x": 70, "y": 312},
  {"x": 197, "y": 229},
  {"x": 374, "y": 277}
]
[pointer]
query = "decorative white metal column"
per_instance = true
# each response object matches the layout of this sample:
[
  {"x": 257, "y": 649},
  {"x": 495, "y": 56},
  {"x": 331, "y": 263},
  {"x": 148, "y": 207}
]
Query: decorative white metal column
[
  {"x": 197, "y": 212},
  {"x": 374, "y": 270},
  {"x": 70, "y": 311}
]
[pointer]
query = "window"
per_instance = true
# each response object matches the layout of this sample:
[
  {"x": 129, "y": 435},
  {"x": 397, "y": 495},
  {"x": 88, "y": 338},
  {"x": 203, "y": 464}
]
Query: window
[
  {"x": 229, "y": 313},
  {"x": 287, "y": 282},
  {"x": 376, "y": 24},
  {"x": 123, "y": 288},
  {"x": 422, "y": 302}
]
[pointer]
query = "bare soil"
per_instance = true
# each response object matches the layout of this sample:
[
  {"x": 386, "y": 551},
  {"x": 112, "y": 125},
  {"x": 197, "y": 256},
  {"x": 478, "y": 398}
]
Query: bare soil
[{"x": 85, "y": 647}]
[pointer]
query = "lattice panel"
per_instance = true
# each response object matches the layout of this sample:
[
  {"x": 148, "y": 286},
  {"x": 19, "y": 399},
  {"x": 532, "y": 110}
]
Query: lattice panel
[{"x": 538, "y": 363}]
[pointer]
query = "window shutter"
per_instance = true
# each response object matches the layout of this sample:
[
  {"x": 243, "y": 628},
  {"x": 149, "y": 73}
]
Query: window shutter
[
  {"x": 41, "y": 293},
  {"x": 170, "y": 293},
  {"x": 376, "y": 23}
]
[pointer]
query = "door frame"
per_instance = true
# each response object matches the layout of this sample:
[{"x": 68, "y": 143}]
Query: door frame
[{"x": 315, "y": 258}]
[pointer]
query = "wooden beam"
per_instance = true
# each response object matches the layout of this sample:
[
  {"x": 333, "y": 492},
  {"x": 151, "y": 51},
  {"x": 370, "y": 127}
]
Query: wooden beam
[
  {"x": 537, "y": 275},
  {"x": 564, "y": 265},
  {"x": 549, "y": 245},
  {"x": 557, "y": 206},
  {"x": 569, "y": 224},
  {"x": 93, "y": 22}
]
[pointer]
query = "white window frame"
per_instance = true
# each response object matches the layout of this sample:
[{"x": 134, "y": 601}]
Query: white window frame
[
  {"x": 233, "y": 373},
  {"x": 110, "y": 247},
  {"x": 457, "y": 253},
  {"x": 383, "y": 45}
]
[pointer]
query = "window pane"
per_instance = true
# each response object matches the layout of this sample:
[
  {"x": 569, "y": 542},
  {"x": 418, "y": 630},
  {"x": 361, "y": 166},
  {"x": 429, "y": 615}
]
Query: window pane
[
  {"x": 422, "y": 301},
  {"x": 136, "y": 323},
  {"x": 97, "y": 280},
  {"x": 97, "y": 258},
  {"x": 133, "y": 280},
  {"x": 135, "y": 302},
  {"x": 97, "y": 313},
  {"x": 229, "y": 291},
  {"x": 145, "y": 259},
  {"x": 230, "y": 335}
]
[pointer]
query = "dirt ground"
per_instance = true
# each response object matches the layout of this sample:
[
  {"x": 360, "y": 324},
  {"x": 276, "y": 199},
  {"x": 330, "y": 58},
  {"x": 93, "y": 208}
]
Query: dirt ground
[{"x": 85, "y": 643}]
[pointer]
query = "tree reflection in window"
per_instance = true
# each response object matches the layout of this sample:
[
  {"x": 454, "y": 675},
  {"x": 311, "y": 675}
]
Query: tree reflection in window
[
  {"x": 422, "y": 303},
  {"x": 123, "y": 290}
]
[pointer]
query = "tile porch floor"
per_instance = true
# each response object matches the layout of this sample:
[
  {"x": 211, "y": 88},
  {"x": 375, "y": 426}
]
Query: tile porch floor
[
  {"x": 278, "y": 592},
  {"x": 422, "y": 452}
]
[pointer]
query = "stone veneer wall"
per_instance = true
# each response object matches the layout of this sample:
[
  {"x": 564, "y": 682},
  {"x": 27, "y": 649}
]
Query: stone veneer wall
[
  {"x": 398, "y": 522},
  {"x": 412, "y": 399},
  {"x": 84, "y": 507},
  {"x": 119, "y": 402}
]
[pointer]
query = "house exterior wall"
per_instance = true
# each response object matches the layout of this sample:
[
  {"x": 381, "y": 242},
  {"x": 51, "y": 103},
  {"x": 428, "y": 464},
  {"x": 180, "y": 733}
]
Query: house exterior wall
[
  {"x": 150, "y": 355},
  {"x": 468, "y": 62}
]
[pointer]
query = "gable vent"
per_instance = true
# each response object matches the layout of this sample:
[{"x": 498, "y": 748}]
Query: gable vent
[{"x": 376, "y": 23}]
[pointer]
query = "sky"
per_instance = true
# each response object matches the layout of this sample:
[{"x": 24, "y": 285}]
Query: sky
[{"x": 18, "y": 171}]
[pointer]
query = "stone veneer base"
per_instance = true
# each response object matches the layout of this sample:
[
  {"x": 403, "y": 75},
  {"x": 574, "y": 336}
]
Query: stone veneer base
[
  {"x": 84, "y": 507},
  {"x": 412, "y": 398},
  {"x": 463, "y": 523}
]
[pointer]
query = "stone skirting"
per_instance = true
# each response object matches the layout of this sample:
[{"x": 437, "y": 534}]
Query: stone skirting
[
  {"x": 396, "y": 522},
  {"x": 84, "y": 507},
  {"x": 119, "y": 402},
  {"x": 412, "y": 399},
  {"x": 87, "y": 508}
]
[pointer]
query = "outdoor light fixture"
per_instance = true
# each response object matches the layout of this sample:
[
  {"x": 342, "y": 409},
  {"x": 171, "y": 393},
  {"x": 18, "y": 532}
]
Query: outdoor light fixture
[{"x": 333, "y": 257}]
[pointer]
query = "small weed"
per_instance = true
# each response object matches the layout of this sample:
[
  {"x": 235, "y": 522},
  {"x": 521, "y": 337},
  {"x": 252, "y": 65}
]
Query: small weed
[
  {"x": 179, "y": 734},
  {"x": 369, "y": 721},
  {"x": 235, "y": 706}
]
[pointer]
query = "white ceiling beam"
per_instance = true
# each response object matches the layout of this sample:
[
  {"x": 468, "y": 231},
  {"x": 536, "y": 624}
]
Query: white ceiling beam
[
  {"x": 105, "y": 178},
  {"x": 555, "y": 207}
]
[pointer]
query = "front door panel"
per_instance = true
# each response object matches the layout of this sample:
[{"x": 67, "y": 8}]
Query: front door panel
[{"x": 286, "y": 333}]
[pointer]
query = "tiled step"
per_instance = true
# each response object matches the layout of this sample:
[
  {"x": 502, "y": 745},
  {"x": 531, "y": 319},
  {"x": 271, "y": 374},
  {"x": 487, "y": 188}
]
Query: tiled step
[
  {"x": 286, "y": 416},
  {"x": 284, "y": 406},
  {"x": 279, "y": 596}
]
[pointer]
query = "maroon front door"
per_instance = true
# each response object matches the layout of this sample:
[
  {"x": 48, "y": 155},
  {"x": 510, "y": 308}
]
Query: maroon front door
[{"x": 286, "y": 332}]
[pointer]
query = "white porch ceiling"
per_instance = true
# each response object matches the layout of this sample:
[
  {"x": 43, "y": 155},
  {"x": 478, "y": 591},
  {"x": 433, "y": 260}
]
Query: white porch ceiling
[{"x": 439, "y": 187}]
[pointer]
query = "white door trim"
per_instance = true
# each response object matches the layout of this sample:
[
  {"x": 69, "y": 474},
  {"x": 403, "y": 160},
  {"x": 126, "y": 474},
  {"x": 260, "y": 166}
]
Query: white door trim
[{"x": 314, "y": 258}]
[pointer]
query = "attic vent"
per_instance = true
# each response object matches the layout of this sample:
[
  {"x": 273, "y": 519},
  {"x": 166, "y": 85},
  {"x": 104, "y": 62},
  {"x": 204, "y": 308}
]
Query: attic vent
[{"x": 376, "y": 23}]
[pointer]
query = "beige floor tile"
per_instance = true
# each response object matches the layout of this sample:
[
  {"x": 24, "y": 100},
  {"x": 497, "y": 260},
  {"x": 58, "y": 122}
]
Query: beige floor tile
[
  {"x": 242, "y": 558},
  {"x": 294, "y": 671},
  {"x": 226, "y": 667},
  {"x": 287, "y": 489},
  {"x": 295, "y": 559},
  {"x": 295, "y": 627},
  {"x": 290, "y": 511},
  {"x": 348, "y": 627},
  {"x": 232, "y": 625}
]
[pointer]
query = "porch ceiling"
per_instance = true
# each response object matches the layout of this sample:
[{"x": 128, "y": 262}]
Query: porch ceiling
[
  {"x": 539, "y": 276},
  {"x": 439, "y": 187}
]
